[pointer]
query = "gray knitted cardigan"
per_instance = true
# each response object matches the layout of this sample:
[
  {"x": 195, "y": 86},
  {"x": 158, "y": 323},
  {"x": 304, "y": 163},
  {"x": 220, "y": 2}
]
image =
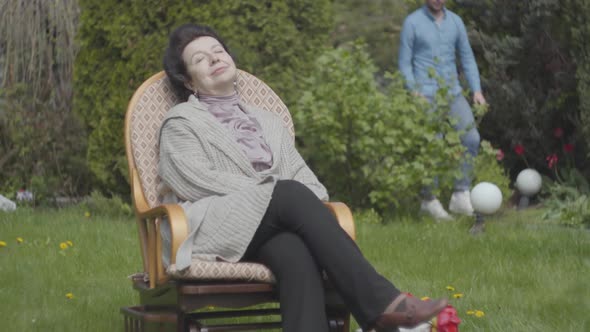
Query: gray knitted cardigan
[{"x": 224, "y": 198}]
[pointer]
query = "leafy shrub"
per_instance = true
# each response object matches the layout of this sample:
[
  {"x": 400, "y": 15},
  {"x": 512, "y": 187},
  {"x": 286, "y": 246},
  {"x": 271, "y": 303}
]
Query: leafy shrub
[
  {"x": 376, "y": 22},
  {"x": 114, "y": 207},
  {"x": 567, "y": 206},
  {"x": 367, "y": 216},
  {"x": 372, "y": 148},
  {"x": 42, "y": 143},
  {"x": 41, "y": 148},
  {"x": 536, "y": 74},
  {"x": 524, "y": 51},
  {"x": 122, "y": 44},
  {"x": 487, "y": 168},
  {"x": 577, "y": 13},
  {"x": 567, "y": 199}
]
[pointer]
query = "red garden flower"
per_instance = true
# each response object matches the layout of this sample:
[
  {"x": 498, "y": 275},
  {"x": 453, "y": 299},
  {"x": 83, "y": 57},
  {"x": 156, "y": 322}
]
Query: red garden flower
[
  {"x": 568, "y": 147},
  {"x": 519, "y": 149},
  {"x": 552, "y": 160},
  {"x": 499, "y": 155},
  {"x": 558, "y": 132}
]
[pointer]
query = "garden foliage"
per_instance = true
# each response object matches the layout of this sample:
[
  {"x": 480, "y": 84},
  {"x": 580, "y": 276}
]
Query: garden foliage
[
  {"x": 487, "y": 168},
  {"x": 537, "y": 79},
  {"x": 528, "y": 77},
  {"x": 376, "y": 22},
  {"x": 122, "y": 44},
  {"x": 42, "y": 143},
  {"x": 568, "y": 201},
  {"x": 371, "y": 143},
  {"x": 41, "y": 147},
  {"x": 96, "y": 204},
  {"x": 372, "y": 147},
  {"x": 577, "y": 15}
]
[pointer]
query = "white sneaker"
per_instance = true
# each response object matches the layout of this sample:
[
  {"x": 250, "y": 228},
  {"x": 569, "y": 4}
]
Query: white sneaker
[
  {"x": 435, "y": 209},
  {"x": 461, "y": 203}
]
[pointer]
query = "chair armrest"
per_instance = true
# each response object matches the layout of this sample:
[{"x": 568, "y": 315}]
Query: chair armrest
[
  {"x": 178, "y": 224},
  {"x": 151, "y": 241},
  {"x": 344, "y": 216},
  {"x": 175, "y": 213}
]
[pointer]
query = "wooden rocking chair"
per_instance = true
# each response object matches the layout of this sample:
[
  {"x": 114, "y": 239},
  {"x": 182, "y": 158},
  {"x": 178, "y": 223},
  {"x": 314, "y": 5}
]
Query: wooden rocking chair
[{"x": 187, "y": 300}]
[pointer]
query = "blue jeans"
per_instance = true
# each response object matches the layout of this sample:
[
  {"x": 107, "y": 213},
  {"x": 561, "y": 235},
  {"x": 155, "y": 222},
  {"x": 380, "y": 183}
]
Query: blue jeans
[{"x": 461, "y": 112}]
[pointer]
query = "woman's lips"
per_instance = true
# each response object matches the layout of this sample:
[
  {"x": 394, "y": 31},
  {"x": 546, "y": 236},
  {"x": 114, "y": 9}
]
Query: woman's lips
[{"x": 218, "y": 71}]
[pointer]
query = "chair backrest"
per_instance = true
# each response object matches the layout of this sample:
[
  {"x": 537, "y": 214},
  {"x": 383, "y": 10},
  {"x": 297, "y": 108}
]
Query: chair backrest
[{"x": 146, "y": 111}]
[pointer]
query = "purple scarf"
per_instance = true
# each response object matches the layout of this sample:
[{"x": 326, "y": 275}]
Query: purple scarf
[{"x": 243, "y": 126}]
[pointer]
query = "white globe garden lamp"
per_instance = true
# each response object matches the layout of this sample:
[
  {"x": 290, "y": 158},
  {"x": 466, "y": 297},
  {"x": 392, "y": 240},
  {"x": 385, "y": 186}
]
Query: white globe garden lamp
[
  {"x": 528, "y": 183},
  {"x": 486, "y": 199}
]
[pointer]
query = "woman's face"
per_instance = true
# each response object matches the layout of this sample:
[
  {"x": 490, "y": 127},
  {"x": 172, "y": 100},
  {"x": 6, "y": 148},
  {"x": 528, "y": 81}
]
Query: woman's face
[{"x": 211, "y": 69}]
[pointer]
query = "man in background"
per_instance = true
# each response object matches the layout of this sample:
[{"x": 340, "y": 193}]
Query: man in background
[{"x": 430, "y": 39}]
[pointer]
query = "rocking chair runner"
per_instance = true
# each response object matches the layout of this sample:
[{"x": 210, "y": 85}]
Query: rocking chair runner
[{"x": 169, "y": 297}]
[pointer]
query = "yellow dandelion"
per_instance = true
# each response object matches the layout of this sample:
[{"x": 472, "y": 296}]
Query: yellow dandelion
[
  {"x": 63, "y": 246},
  {"x": 70, "y": 243},
  {"x": 69, "y": 296},
  {"x": 424, "y": 298},
  {"x": 471, "y": 312},
  {"x": 87, "y": 214},
  {"x": 450, "y": 288},
  {"x": 458, "y": 295},
  {"x": 2, "y": 244},
  {"x": 479, "y": 313},
  {"x": 19, "y": 240}
]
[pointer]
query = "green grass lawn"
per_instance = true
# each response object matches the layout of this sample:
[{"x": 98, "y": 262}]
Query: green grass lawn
[{"x": 524, "y": 274}]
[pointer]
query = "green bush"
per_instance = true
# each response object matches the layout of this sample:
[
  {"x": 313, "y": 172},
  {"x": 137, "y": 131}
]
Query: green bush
[
  {"x": 367, "y": 216},
  {"x": 122, "y": 44},
  {"x": 567, "y": 198},
  {"x": 372, "y": 148},
  {"x": 524, "y": 51},
  {"x": 375, "y": 21},
  {"x": 577, "y": 13},
  {"x": 41, "y": 148},
  {"x": 99, "y": 205},
  {"x": 567, "y": 206},
  {"x": 487, "y": 168},
  {"x": 42, "y": 143}
]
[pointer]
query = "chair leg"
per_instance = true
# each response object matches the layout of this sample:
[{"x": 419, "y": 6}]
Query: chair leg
[
  {"x": 346, "y": 323},
  {"x": 182, "y": 324},
  {"x": 145, "y": 318}
]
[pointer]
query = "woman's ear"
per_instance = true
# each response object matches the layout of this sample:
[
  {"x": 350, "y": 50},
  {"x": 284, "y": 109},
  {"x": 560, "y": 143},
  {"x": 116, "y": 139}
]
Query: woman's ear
[{"x": 188, "y": 85}]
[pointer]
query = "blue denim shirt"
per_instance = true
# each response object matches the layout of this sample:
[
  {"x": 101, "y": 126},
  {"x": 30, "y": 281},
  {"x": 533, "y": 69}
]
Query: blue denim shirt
[{"x": 426, "y": 45}]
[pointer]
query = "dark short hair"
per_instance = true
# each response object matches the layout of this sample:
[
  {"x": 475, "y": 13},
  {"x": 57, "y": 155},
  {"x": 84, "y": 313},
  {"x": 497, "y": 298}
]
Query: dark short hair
[{"x": 174, "y": 64}]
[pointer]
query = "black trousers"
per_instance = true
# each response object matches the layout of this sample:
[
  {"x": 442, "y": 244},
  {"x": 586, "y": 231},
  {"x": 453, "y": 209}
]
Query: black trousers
[{"x": 297, "y": 239}]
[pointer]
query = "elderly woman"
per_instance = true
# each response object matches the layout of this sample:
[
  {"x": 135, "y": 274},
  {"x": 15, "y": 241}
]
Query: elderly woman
[{"x": 249, "y": 196}]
